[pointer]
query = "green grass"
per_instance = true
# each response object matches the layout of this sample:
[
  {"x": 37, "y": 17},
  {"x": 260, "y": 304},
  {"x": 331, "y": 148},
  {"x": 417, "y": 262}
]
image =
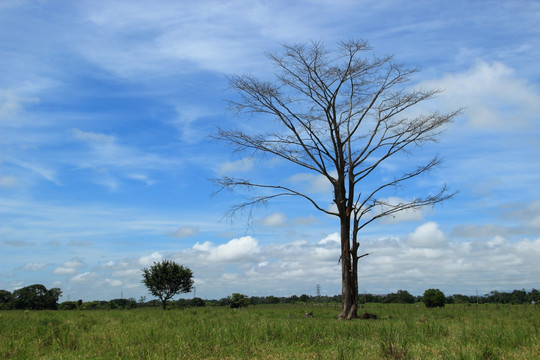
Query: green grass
[{"x": 274, "y": 332}]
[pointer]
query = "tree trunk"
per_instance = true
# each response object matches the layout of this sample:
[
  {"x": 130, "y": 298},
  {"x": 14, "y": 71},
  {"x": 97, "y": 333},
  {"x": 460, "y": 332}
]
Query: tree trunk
[{"x": 349, "y": 283}]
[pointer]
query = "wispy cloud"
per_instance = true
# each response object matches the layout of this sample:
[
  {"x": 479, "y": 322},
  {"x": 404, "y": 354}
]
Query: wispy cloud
[{"x": 185, "y": 231}]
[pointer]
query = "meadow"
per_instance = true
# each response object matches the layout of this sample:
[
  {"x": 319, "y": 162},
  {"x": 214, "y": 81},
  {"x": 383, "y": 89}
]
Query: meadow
[{"x": 274, "y": 332}]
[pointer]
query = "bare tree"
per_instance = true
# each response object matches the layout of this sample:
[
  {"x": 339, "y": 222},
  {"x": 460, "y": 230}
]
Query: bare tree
[{"x": 340, "y": 115}]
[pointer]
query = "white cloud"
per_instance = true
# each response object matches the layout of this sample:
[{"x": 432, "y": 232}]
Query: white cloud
[
  {"x": 240, "y": 249},
  {"x": 427, "y": 235},
  {"x": 69, "y": 267},
  {"x": 331, "y": 239},
  {"x": 274, "y": 219},
  {"x": 185, "y": 231},
  {"x": 401, "y": 216},
  {"x": 493, "y": 95},
  {"x": 150, "y": 259},
  {"x": 85, "y": 277}
]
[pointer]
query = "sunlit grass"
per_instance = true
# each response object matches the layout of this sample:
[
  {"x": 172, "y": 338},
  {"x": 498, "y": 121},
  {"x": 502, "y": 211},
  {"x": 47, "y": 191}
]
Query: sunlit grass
[{"x": 274, "y": 332}]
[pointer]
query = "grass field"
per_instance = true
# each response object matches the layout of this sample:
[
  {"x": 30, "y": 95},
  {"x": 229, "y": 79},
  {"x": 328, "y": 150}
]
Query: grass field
[{"x": 274, "y": 332}]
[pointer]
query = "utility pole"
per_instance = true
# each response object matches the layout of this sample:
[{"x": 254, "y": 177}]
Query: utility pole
[{"x": 318, "y": 292}]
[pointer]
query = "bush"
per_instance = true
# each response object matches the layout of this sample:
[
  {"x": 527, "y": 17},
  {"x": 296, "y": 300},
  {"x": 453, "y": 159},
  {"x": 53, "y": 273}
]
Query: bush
[{"x": 433, "y": 298}]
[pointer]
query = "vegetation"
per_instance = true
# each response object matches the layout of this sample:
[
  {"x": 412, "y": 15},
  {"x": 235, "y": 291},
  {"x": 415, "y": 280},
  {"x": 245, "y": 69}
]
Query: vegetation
[
  {"x": 166, "y": 279},
  {"x": 400, "y": 297},
  {"x": 238, "y": 301},
  {"x": 33, "y": 297},
  {"x": 433, "y": 298},
  {"x": 281, "y": 331}
]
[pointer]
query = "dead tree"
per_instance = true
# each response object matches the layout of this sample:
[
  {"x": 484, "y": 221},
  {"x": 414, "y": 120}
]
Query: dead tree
[{"x": 340, "y": 115}]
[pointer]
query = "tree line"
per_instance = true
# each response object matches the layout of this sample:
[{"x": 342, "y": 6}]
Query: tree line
[{"x": 37, "y": 297}]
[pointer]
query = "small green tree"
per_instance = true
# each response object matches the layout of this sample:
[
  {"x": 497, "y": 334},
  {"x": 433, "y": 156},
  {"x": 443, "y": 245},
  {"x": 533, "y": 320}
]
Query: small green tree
[
  {"x": 239, "y": 300},
  {"x": 166, "y": 279},
  {"x": 433, "y": 298}
]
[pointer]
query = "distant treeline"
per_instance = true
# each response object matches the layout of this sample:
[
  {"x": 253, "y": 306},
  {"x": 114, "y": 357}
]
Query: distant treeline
[{"x": 37, "y": 297}]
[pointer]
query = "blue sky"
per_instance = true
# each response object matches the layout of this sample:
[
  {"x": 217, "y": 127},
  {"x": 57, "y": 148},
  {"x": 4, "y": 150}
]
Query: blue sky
[{"x": 106, "y": 112}]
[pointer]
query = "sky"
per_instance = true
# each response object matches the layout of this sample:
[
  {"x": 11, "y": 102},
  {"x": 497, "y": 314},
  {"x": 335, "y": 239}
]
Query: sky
[{"x": 107, "y": 110}]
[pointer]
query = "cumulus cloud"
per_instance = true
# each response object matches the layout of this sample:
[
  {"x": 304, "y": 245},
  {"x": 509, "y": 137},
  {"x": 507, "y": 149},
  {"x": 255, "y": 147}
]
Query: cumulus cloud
[
  {"x": 240, "y": 249},
  {"x": 85, "y": 277},
  {"x": 427, "y": 235},
  {"x": 150, "y": 259},
  {"x": 69, "y": 267}
]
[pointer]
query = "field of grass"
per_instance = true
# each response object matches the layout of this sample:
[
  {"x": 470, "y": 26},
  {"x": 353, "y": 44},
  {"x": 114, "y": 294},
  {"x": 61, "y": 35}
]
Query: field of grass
[{"x": 274, "y": 332}]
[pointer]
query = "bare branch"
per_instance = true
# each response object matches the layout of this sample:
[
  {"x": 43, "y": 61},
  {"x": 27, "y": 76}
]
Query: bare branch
[
  {"x": 231, "y": 183},
  {"x": 340, "y": 115}
]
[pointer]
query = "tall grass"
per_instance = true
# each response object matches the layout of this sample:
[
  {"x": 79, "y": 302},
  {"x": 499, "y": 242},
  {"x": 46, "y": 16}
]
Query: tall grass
[{"x": 274, "y": 332}]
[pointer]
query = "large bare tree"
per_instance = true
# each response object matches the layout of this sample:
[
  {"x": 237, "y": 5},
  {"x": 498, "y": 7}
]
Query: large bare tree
[{"x": 341, "y": 115}]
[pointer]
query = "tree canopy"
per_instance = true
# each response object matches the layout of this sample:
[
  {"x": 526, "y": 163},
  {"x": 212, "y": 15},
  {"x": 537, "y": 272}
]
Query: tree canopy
[
  {"x": 166, "y": 278},
  {"x": 433, "y": 298},
  {"x": 36, "y": 297}
]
